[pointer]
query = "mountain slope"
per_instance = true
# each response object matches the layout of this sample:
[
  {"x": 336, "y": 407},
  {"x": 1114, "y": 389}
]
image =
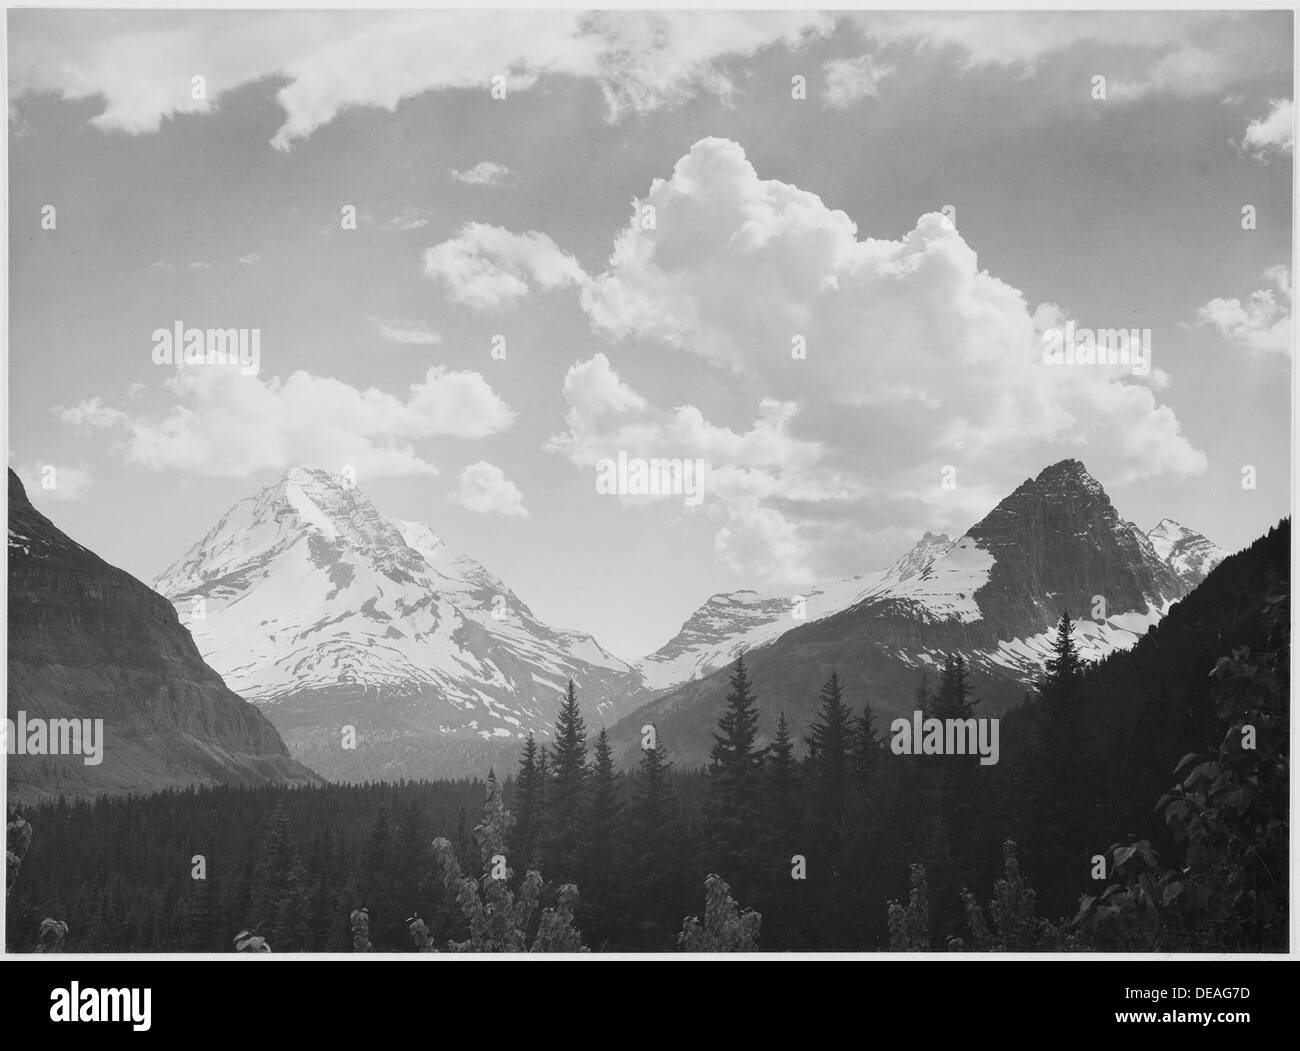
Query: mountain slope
[
  {"x": 729, "y": 624},
  {"x": 994, "y": 595},
  {"x": 1190, "y": 555},
  {"x": 328, "y": 614},
  {"x": 88, "y": 641}
]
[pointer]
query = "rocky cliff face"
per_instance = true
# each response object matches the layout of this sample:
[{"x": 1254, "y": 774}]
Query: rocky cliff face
[
  {"x": 88, "y": 641},
  {"x": 1056, "y": 543}
]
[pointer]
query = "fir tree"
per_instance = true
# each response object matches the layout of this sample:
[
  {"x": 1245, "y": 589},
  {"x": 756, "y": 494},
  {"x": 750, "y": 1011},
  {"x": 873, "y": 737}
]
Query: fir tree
[
  {"x": 279, "y": 899},
  {"x": 602, "y": 840},
  {"x": 867, "y": 747},
  {"x": 529, "y": 788},
  {"x": 734, "y": 784},
  {"x": 567, "y": 794},
  {"x": 829, "y": 747},
  {"x": 953, "y": 699},
  {"x": 652, "y": 849},
  {"x": 734, "y": 761}
]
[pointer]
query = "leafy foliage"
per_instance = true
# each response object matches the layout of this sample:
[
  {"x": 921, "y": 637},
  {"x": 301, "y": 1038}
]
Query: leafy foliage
[{"x": 725, "y": 927}]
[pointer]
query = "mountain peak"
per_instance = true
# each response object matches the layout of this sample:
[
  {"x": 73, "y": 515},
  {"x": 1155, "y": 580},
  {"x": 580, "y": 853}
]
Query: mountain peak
[
  {"x": 1070, "y": 473},
  {"x": 1185, "y": 551}
]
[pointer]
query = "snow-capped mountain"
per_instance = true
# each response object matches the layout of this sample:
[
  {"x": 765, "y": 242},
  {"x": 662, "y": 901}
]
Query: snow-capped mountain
[
  {"x": 88, "y": 641},
  {"x": 994, "y": 595},
  {"x": 730, "y": 623},
  {"x": 1185, "y": 551},
  {"x": 326, "y": 614}
]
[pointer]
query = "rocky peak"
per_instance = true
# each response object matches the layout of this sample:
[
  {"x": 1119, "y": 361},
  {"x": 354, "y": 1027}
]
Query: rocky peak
[
  {"x": 1057, "y": 542},
  {"x": 1189, "y": 554}
]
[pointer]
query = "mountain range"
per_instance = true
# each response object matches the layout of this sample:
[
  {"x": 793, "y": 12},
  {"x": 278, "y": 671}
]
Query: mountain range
[
  {"x": 994, "y": 595},
  {"x": 379, "y": 653}
]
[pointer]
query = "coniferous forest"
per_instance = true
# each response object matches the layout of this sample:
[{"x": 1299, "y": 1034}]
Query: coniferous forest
[{"x": 1139, "y": 804}]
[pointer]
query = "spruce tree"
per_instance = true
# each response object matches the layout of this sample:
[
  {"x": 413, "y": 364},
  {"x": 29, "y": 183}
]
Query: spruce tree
[
  {"x": 528, "y": 803},
  {"x": 953, "y": 699},
  {"x": 734, "y": 785},
  {"x": 652, "y": 850},
  {"x": 279, "y": 898},
  {"x": 1062, "y": 779},
  {"x": 867, "y": 747},
  {"x": 734, "y": 761},
  {"x": 567, "y": 795},
  {"x": 829, "y": 745},
  {"x": 781, "y": 787},
  {"x": 602, "y": 842}
]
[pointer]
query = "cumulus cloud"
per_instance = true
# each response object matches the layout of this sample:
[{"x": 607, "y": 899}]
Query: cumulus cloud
[
  {"x": 410, "y": 333},
  {"x": 484, "y": 173},
  {"x": 224, "y": 424},
  {"x": 484, "y": 488},
  {"x": 487, "y": 267},
  {"x": 142, "y": 64},
  {"x": 1272, "y": 134},
  {"x": 846, "y": 80},
  {"x": 1262, "y": 322},
  {"x": 902, "y": 357},
  {"x": 45, "y": 481},
  {"x": 606, "y": 417}
]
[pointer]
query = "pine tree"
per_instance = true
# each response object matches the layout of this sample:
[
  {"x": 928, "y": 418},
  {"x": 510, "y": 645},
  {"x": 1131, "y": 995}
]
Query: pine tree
[
  {"x": 734, "y": 761},
  {"x": 602, "y": 840},
  {"x": 781, "y": 786},
  {"x": 867, "y": 747},
  {"x": 1062, "y": 778},
  {"x": 829, "y": 749},
  {"x": 953, "y": 699},
  {"x": 734, "y": 785},
  {"x": 279, "y": 899},
  {"x": 652, "y": 849},
  {"x": 567, "y": 796},
  {"x": 1059, "y": 689},
  {"x": 529, "y": 788}
]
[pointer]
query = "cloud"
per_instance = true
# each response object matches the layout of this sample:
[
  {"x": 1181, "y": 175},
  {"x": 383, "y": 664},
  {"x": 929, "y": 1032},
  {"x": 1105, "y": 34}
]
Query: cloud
[
  {"x": 901, "y": 356},
  {"x": 606, "y": 417},
  {"x": 1273, "y": 134},
  {"x": 45, "y": 481},
  {"x": 849, "y": 79},
  {"x": 251, "y": 259},
  {"x": 224, "y": 424},
  {"x": 488, "y": 268},
  {"x": 484, "y": 173},
  {"x": 1187, "y": 54},
  {"x": 414, "y": 332},
  {"x": 91, "y": 413},
  {"x": 484, "y": 488},
  {"x": 141, "y": 65},
  {"x": 1263, "y": 322}
]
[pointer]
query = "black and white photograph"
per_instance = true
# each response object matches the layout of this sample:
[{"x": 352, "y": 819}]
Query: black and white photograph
[{"x": 649, "y": 481}]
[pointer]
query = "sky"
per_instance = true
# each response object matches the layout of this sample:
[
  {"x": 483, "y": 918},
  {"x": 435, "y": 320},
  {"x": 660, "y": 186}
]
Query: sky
[{"x": 485, "y": 252}]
